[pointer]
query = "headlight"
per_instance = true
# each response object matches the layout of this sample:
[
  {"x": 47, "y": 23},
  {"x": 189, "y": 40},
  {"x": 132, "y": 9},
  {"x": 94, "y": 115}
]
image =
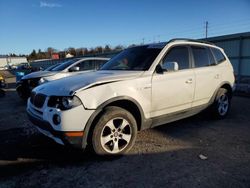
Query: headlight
[
  {"x": 42, "y": 81},
  {"x": 70, "y": 102}
]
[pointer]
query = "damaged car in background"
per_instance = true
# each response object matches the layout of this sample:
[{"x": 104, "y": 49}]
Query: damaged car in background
[{"x": 68, "y": 68}]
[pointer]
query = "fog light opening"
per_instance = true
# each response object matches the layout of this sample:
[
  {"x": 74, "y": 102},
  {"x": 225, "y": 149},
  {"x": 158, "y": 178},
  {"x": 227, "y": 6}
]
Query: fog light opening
[{"x": 56, "y": 119}]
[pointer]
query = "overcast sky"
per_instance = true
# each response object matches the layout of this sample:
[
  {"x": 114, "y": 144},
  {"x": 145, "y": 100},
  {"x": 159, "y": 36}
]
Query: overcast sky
[{"x": 38, "y": 24}]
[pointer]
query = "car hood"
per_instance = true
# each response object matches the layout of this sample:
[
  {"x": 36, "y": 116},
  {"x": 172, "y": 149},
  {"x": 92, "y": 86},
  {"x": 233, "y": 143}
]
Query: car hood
[
  {"x": 69, "y": 85},
  {"x": 38, "y": 74}
]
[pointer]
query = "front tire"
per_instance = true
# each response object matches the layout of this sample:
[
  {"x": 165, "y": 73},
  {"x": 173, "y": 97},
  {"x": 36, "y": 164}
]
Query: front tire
[
  {"x": 2, "y": 93},
  {"x": 22, "y": 93},
  {"x": 222, "y": 104},
  {"x": 115, "y": 132}
]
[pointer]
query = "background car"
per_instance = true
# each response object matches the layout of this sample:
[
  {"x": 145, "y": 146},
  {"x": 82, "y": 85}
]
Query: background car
[
  {"x": 52, "y": 67},
  {"x": 2, "y": 85},
  {"x": 2, "y": 82},
  {"x": 68, "y": 68}
]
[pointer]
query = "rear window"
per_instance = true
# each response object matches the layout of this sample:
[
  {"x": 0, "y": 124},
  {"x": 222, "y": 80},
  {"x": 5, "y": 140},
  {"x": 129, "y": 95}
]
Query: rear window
[{"x": 218, "y": 55}]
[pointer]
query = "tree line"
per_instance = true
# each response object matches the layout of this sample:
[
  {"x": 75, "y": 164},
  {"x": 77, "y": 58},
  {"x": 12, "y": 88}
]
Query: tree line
[{"x": 76, "y": 52}]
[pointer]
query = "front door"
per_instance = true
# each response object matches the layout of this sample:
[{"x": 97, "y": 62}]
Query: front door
[{"x": 173, "y": 91}]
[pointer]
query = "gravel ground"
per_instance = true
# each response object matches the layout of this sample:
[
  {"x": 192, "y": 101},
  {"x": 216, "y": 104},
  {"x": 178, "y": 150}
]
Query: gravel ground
[{"x": 166, "y": 156}]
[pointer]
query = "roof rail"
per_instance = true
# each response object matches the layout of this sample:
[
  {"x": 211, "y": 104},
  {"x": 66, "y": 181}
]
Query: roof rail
[{"x": 191, "y": 40}]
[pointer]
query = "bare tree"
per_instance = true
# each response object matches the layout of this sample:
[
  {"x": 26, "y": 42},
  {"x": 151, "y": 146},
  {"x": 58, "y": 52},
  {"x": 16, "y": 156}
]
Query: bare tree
[
  {"x": 72, "y": 51},
  {"x": 107, "y": 48}
]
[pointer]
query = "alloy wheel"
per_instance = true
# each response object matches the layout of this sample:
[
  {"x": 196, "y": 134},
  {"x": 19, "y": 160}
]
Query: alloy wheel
[
  {"x": 223, "y": 104},
  {"x": 116, "y": 135}
]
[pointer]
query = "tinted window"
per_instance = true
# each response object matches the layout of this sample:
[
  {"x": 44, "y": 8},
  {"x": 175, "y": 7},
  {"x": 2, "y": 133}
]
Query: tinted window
[
  {"x": 201, "y": 58},
  {"x": 135, "y": 58},
  {"x": 99, "y": 63},
  {"x": 52, "y": 67},
  {"x": 218, "y": 55},
  {"x": 211, "y": 57},
  {"x": 87, "y": 65},
  {"x": 90, "y": 64},
  {"x": 180, "y": 55}
]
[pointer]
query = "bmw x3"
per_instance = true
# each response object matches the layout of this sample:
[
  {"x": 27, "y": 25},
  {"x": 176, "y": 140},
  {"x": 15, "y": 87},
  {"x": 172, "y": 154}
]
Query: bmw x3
[{"x": 140, "y": 88}]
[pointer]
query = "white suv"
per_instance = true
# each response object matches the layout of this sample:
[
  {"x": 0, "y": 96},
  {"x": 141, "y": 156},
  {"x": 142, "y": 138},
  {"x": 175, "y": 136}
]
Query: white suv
[{"x": 142, "y": 87}]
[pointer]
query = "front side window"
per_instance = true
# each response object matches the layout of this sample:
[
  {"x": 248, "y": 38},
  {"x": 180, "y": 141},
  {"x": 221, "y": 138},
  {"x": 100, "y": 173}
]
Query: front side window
[
  {"x": 86, "y": 65},
  {"x": 100, "y": 63},
  {"x": 90, "y": 64},
  {"x": 135, "y": 58},
  {"x": 218, "y": 55},
  {"x": 179, "y": 55},
  {"x": 201, "y": 57}
]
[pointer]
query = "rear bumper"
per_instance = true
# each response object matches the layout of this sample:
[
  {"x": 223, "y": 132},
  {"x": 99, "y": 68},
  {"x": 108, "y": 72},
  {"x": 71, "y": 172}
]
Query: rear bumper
[{"x": 74, "y": 139}]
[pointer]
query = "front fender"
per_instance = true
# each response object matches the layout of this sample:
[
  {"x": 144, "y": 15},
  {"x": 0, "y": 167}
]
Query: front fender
[{"x": 95, "y": 96}]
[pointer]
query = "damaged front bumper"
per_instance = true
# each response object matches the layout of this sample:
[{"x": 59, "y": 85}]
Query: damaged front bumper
[
  {"x": 73, "y": 138},
  {"x": 69, "y": 130}
]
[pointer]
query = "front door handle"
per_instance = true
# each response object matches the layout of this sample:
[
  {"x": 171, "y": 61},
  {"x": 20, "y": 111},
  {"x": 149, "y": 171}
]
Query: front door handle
[
  {"x": 189, "y": 81},
  {"x": 217, "y": 76}
]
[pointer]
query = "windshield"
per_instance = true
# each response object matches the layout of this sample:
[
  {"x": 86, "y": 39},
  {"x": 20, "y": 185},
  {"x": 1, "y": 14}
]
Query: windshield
[
  {"x": 135, "y": 58},
  {"x": 51, "y": 67},
  {"x": 64, "y": 65}
]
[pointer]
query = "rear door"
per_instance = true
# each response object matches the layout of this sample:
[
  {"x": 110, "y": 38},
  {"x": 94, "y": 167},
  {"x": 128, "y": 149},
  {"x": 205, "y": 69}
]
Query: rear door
[{"x": 207, "y": 74}]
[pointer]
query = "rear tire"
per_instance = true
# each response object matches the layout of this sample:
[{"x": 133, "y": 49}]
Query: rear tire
[
  {"x": 115, "y": 132},
  {"x": 222, "y": 103}
]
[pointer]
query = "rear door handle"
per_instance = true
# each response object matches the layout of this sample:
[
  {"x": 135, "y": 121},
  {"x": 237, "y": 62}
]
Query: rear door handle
[{"x": 189, "y": 81}]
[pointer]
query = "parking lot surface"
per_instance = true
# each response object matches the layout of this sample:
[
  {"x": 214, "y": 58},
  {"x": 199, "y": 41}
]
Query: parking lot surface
[{"x": 194, "y": 152}]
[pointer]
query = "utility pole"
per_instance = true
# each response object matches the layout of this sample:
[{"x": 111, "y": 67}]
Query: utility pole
[
  {"x": 143, "y": 39},
  {"x": 206, "y": 28}
]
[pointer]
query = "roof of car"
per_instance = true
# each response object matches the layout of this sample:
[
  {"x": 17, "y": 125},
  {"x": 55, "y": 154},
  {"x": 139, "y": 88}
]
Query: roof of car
[
  {"x": 163, "y": 44},
  {"x": 91, "y": 58},
  {"x": 191, "y": 40}
]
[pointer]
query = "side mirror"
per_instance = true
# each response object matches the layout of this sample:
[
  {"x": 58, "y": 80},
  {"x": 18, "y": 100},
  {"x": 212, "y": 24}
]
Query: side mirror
[
  {"x": 170, "y": 66},
  {"x": 74, "y": 69}
]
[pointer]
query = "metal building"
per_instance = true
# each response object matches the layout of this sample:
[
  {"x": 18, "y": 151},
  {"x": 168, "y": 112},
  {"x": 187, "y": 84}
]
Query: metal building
[{"x": 237, "y": 48}]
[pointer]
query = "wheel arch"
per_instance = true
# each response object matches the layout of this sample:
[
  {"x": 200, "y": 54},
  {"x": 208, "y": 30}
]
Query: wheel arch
[
  {"x": 124, "y": 102},
  {"x": 228, "y": 87},
  {"x": 225, "y": 85}
]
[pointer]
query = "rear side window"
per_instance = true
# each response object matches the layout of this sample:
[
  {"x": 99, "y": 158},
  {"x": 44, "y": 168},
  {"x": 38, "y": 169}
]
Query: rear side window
[
  {"x": 218, "y": 55},
  {"x": 211, "y": 57},
  {"x": 201, "y": 56},
  {"x": 180, "y": 55}
]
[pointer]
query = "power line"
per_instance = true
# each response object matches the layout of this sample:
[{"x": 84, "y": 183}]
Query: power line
[{"x": 189, "y": 31}]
